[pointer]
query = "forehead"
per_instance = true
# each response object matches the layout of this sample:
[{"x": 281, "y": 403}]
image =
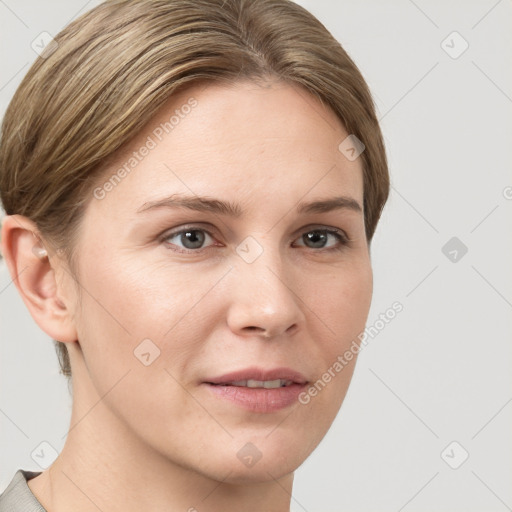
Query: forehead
[{"x": 255, "y": 142}]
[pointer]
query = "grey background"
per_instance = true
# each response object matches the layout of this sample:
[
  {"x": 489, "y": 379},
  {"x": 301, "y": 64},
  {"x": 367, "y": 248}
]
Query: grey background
[{"x": 441, "y": 370}]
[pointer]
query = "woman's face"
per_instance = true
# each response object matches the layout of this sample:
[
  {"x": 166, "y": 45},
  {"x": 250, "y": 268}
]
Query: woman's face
[{"x": 237, "y": 275}]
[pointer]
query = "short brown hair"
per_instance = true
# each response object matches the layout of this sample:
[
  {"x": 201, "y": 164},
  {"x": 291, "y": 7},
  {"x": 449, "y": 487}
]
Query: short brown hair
[{"x": 110, "y": 71}]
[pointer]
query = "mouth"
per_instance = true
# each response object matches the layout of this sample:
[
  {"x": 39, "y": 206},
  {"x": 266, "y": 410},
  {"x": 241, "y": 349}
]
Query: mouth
[
  {"x": 249, "y": 383},
  {"x": 258, "y": 390},
  {"x": 258, "y": 377}
]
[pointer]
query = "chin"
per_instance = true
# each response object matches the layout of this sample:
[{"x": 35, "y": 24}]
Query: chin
[
  {"x": 261, "y": 472},
  {"x": 259, "y": 457}
]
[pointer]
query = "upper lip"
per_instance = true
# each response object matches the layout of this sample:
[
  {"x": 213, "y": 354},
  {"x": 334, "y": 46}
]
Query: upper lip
[{"x": 259, "y": 374}]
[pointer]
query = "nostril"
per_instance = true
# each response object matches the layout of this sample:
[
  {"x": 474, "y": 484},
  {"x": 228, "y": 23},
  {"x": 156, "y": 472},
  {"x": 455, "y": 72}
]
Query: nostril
[{"x": 253, "y": 328}]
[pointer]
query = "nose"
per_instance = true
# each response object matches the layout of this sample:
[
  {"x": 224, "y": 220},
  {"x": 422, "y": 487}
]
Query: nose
[{"x": 265, "y": 300}]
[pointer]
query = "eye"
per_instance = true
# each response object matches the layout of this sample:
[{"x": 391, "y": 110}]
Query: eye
[
  {"x": 192, "y": 239},
  {"x": 318, "y": 238}
]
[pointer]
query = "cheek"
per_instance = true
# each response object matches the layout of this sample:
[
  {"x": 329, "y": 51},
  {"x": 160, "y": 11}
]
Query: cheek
[
  {"x": 343, "y": 307},
  {"x": 128, "y": 305},
  {"x": 144, "y": 299},
  {"x": 342, "y": 300},
  {"x": 133, "y": 316}
]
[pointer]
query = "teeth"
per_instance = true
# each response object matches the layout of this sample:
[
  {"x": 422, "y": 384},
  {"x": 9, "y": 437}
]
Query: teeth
[
  {"x": 267, "y": 384},
  {"x": 271, "y": 384}
]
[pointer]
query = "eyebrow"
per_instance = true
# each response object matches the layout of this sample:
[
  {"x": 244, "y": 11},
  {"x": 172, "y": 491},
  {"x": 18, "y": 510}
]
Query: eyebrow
[{"x": 206, "y": 204}]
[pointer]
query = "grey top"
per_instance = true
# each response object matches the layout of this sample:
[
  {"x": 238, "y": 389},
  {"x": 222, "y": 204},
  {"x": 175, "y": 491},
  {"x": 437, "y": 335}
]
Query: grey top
[{"x": 17, "y": 496}]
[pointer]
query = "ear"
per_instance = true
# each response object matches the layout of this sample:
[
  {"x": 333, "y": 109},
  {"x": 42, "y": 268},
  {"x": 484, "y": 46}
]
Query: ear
[{"x": 33, "y": 271}]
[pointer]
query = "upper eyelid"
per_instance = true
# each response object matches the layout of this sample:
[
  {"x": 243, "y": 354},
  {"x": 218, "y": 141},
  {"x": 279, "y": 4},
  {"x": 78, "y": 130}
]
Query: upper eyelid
[{"x": 211, "y": 231}]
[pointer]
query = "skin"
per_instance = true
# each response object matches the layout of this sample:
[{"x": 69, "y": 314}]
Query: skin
[{"x": 153, "y": 437}]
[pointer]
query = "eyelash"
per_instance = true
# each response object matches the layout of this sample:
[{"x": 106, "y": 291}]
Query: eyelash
[{"x": 340, "y": 235}]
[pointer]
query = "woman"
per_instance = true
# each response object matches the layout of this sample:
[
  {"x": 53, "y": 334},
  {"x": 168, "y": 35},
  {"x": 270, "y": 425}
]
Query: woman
[{"x": 191, "y": 190}]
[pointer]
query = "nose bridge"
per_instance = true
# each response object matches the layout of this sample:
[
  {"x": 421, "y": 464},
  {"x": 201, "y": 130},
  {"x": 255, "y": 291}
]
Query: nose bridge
[{"x": 263, "y": 297}]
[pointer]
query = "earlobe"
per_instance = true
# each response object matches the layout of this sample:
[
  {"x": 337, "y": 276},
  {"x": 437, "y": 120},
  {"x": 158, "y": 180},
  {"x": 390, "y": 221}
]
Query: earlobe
[{"x": 35, "y": 277}]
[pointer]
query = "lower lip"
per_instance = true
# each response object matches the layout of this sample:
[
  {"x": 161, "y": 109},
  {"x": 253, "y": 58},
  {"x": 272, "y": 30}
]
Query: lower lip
[{"x": 259, "y": 399}]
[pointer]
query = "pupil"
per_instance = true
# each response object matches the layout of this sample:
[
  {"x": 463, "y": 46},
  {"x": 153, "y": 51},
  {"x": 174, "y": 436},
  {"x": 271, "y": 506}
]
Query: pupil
[
  {"x": 190, "y": 237},
  {"x": 315, "y": 237}
]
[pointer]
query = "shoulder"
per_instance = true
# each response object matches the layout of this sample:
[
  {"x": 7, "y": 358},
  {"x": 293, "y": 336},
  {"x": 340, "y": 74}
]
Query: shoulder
[{"x": 17, "y": 496}]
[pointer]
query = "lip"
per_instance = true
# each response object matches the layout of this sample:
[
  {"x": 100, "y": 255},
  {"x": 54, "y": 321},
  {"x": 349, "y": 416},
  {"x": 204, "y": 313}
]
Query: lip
[
  {"x": 258, "y": 400},
  {"x": 255, "y": 373}
]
